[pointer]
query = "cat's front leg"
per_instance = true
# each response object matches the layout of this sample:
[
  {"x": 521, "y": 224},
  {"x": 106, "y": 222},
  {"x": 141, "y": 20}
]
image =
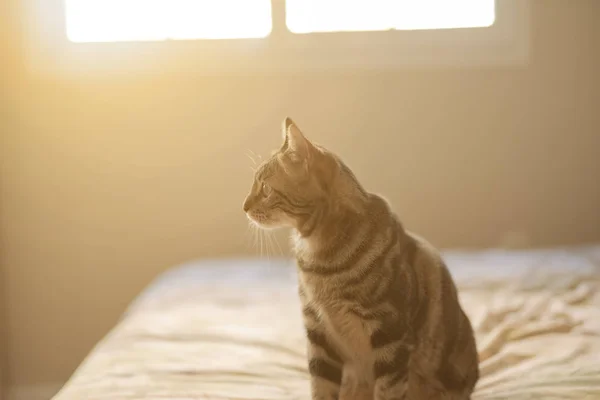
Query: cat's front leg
[
  {"x": 325, "y": 379},
  {"x": 357, "y": 384},
  {"x": 391, "y": 373},
  {"x": 324, "y": 364}
]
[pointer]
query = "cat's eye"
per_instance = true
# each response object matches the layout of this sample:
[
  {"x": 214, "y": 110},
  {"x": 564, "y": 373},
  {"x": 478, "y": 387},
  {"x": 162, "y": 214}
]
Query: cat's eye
[{"x": 266, "y": 189}]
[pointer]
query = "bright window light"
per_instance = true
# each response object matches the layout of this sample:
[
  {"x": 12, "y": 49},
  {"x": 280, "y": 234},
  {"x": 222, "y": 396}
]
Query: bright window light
[
  {"x": 307, "y": 16},
  {"x": 154, "y": 20}
]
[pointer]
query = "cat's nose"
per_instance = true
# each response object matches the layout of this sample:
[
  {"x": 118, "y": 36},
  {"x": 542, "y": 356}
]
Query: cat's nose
[{"x": 246, "y": 204}]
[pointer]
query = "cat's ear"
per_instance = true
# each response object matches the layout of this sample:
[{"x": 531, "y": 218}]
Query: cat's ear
[
  {"x": 294, "y": 140},
  {"x": 287, "y": 123}
]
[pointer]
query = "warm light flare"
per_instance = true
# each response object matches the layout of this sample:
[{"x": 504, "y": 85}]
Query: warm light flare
[
  {"x": 305, "y": 16},
  {"x": 150, "y": 20}
]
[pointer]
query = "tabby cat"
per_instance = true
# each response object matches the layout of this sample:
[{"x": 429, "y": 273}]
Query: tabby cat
[{"x": 380, "y": 308}]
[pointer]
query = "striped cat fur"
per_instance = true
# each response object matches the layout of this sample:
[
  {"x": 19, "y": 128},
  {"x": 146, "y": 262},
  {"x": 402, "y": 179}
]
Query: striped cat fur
[{"x": 380, "y": 308}]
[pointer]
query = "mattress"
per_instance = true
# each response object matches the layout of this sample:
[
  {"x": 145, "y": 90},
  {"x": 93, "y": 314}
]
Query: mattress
[{"x": 231, "y": 329}]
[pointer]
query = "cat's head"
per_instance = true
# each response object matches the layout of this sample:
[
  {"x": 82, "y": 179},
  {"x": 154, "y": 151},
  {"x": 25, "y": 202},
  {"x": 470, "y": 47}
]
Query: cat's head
[{"x": 294, "y": 183}]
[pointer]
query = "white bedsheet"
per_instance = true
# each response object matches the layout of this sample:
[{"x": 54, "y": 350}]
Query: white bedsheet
[{"x": 231, "y": 329}]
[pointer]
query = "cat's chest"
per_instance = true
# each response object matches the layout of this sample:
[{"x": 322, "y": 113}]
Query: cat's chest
[{"x": 351, "y": 333}]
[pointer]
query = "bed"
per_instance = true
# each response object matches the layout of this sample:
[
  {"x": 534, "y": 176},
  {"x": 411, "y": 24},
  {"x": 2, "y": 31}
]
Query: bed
[{"x": 231, "y": 329}]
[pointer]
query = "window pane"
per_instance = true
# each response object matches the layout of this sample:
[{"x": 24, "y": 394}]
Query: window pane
[
  {"x": 305, "y": 16},
  {"x": 144, "y": 20}
]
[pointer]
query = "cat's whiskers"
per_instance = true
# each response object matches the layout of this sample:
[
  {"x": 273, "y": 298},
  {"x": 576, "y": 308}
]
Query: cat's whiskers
[
  {"x": 274, "y": 243},
  {"x": 264, "y": 240},
  {"x": 258, "y": 240},
  {"x": 249, "y": 155},
  {"x": 267, "y": 245},
  {"x": 247, "y": 234},
  {"x": 273, "y": 239},
  {"x": 262, "y": 243},
  {"x": 255, "y": 155},
  {"x": 253, "y": 230}
]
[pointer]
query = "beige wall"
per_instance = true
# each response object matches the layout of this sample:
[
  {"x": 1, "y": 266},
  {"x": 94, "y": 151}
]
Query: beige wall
[
  {"x": 106, "y": 183},
  {"x": 6, "y": 73}
]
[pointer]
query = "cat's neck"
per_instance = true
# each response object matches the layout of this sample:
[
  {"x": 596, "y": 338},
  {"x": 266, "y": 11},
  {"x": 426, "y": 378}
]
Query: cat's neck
[{"x": 331, "y": 225}]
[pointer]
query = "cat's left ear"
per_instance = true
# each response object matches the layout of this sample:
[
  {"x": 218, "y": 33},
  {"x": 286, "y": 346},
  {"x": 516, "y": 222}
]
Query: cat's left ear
[{"x": 294, "y": 139}]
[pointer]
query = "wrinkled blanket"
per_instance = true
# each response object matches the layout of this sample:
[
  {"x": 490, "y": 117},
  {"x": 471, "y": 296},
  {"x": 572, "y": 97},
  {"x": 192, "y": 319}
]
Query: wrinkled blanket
[{"x": 231, "y": 329}]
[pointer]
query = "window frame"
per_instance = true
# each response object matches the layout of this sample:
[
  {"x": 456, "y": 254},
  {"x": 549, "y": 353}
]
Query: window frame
[{"x": 505, "y": 43}]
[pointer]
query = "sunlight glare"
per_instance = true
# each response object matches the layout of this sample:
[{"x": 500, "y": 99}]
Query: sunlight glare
[
  {"x": 307, "y": 16},
  {"x": 152, "y": 20}
]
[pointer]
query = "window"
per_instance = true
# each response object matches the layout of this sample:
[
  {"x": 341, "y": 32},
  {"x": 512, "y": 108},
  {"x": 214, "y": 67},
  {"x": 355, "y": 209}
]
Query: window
[
  {"x": 309, "y": 16},
  {"x": 156, "y": 20},
  {"x": 73, "y": 37},
  {"x": 151, "y": 20}
]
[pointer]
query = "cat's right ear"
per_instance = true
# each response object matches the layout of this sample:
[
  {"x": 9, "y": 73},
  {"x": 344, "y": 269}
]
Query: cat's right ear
[
  {"x": 294, "y": 140},
  {"x": 285, "y": 126}
]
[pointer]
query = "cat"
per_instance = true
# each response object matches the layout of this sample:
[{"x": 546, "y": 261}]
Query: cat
[{"x": 381, "y": 312}]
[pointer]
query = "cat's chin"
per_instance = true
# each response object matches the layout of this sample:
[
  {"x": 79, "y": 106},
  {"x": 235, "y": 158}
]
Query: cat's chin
[{"x": 266, "y": 225}]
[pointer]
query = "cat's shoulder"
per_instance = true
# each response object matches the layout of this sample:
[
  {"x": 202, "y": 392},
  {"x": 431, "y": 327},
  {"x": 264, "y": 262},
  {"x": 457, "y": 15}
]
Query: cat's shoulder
[{"x": 426, "y": 252}]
